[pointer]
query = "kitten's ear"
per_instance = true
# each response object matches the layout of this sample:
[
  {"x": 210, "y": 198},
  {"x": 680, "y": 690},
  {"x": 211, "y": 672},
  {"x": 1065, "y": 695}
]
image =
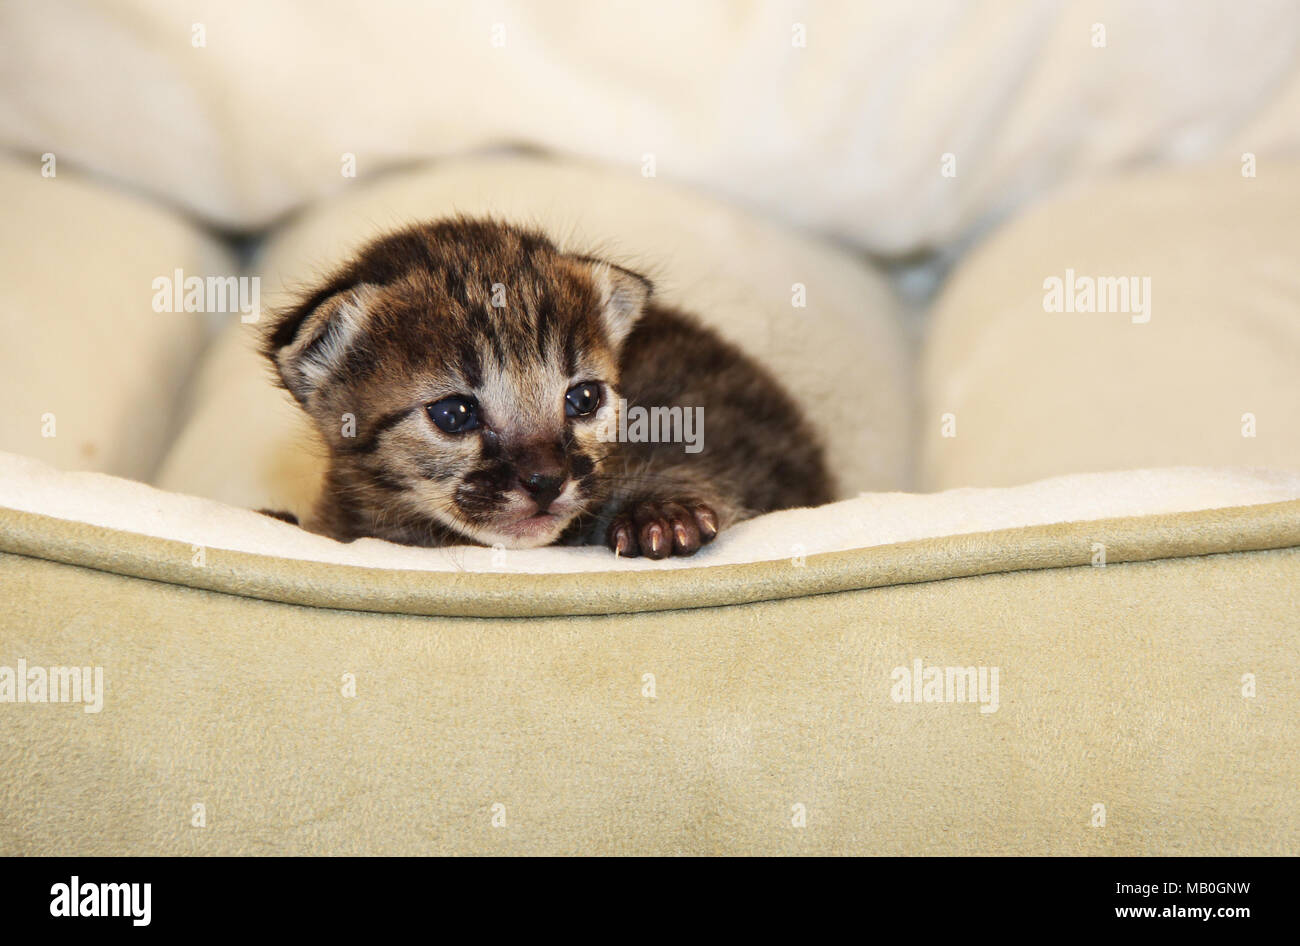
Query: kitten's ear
[
  {"x": 308, "y": 343},
  {"x": 623, "y": 295}
]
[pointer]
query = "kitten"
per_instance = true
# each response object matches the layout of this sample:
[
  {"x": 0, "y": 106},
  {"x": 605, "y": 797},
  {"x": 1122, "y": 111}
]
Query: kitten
[{"x": 470, "y": 379}]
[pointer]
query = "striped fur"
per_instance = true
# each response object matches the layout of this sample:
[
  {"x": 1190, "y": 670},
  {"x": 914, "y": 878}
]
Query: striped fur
[{"x": 480, "y": 308}]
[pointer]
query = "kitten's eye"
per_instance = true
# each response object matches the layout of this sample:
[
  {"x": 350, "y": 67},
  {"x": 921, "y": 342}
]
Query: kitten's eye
[
  {"x": 454, "y": 415},
  {"x": 582, "y": 399}
]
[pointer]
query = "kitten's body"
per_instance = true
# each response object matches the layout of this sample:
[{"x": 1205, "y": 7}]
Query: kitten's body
[{"x": 475, "y": 319}]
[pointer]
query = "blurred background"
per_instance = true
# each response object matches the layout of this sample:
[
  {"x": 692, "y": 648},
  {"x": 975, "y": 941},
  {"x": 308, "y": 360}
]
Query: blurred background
[{"x": 828, "y": 115}]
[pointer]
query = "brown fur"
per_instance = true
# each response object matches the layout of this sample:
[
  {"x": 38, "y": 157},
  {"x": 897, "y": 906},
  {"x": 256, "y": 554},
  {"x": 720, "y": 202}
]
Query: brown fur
[{"x": 411, "y": 320}]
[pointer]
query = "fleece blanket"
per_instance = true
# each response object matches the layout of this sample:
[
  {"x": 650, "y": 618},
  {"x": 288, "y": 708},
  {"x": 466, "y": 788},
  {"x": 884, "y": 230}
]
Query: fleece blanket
[{"x": 789, "y": 536}]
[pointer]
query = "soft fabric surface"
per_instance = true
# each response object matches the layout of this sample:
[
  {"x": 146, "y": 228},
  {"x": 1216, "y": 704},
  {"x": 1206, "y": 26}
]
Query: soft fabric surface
[
  {"x": 846, "y": 133},
  {"x": 464, "y": 593},
  {"x": 1212, "y": 378},
  {"x": 694, "y": 731},
  {"x": 867, "y": 521},
  {"x": 92, "y": 375},
  {"x": 842, "y": 355}
]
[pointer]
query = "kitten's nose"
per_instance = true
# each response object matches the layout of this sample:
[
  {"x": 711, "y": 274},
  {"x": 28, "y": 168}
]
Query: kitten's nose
[{"x": 543, "y": 488}]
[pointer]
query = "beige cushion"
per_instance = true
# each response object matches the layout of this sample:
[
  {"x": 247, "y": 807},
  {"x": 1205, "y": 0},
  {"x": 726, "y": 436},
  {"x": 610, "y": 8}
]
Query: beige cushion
[
  {"x": 82, "y": 341},
  {"x": 1036, "y": 393},
  {"x": 316, "y": 708},
  {"x": 843, "y": 355}
]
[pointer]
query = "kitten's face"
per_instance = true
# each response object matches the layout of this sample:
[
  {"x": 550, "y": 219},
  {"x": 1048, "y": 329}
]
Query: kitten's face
[{"x": 481, "y": 368}]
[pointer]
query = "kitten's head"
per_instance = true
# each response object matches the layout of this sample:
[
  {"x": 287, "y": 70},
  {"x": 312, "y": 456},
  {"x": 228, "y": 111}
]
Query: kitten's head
[{"x": 461, "y": 373}]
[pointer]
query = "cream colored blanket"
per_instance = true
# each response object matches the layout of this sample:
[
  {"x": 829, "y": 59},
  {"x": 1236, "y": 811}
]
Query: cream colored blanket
[{"x": 870, "y": 520}]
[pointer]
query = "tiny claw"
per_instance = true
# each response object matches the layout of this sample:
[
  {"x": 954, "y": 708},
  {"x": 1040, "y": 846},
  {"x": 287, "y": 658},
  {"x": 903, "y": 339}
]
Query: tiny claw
[
  {"x": 622, "y": 542},
  {"x": 708, "y": 522},
  {"x": 679, "y": 532},
  {"x": 654, "y": 538}
]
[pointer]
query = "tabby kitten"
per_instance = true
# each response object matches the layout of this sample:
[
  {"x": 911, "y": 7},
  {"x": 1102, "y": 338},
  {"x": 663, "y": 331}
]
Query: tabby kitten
[{"x": 474, "y": 383}]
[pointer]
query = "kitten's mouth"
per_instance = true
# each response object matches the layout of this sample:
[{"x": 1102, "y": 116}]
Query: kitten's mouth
[
  {"x": 539, "y": 528},
  {"x": 523, "y": 523}
]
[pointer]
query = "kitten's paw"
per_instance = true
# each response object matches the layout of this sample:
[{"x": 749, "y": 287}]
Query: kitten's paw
[{"x": 659, "y": 529}]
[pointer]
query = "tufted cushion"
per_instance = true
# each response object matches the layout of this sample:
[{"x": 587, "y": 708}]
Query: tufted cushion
[
  {"x": 1037, "y": 393},
  {"x": 87, "y": 359},
  {"x": 843, "y": 354}
]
